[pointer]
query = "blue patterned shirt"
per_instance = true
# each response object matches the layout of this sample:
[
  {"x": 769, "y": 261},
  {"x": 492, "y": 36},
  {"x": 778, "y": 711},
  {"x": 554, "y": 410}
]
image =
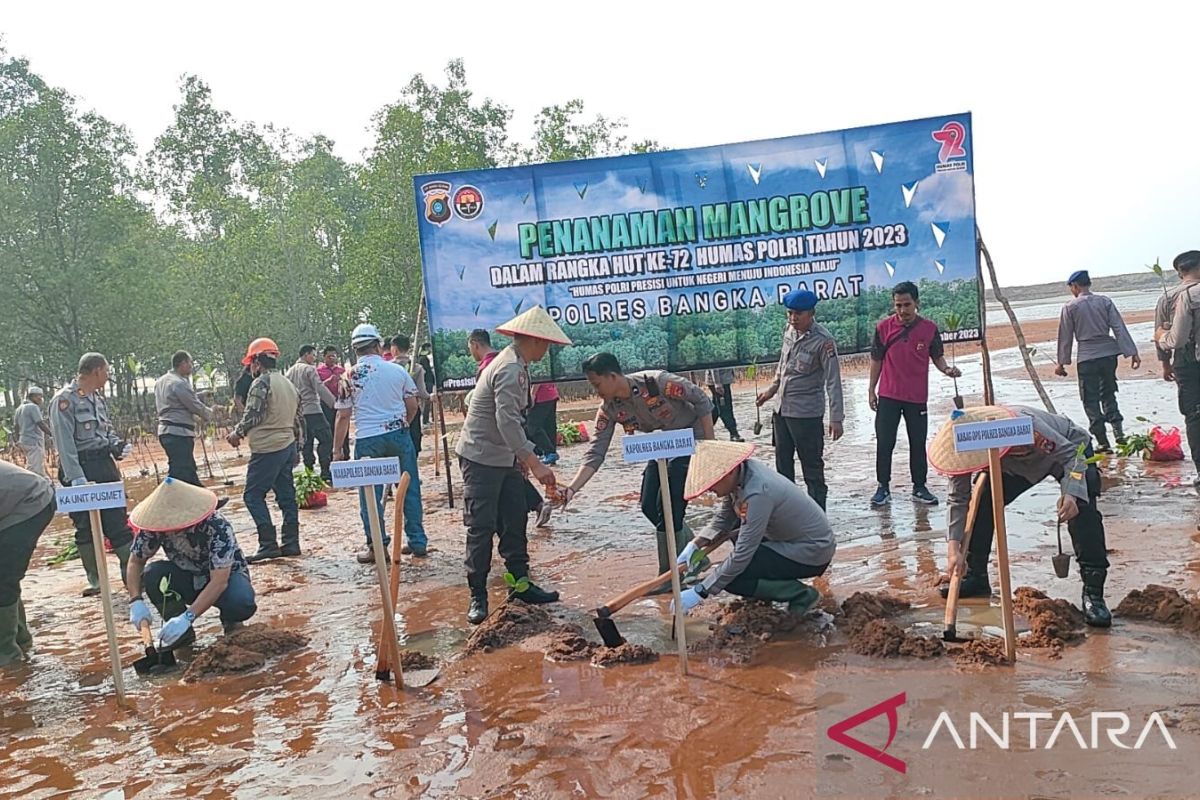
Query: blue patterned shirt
[{"x": 200, "y": 550}]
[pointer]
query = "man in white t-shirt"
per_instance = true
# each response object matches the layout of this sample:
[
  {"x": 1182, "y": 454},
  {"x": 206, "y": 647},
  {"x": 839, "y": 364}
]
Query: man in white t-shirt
[{"x": 381, "y": 397}]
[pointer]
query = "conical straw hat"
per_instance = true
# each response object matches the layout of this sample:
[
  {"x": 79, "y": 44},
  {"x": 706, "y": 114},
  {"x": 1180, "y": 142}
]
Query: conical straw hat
[
  {"x": 173, "y": 506},
  {"x": 941, "y": 451},
  {"x": 535, "y": 323},
  {"x": 711, "y": 462}
]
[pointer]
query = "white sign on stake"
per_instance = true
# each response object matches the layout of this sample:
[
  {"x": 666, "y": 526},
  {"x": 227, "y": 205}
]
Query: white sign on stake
[
  {"x": 365, "y": 472},
  {"x": 997, "y": 433},
  {"x": 660, "y": 444},
  {"x": 90, "y": 496}
]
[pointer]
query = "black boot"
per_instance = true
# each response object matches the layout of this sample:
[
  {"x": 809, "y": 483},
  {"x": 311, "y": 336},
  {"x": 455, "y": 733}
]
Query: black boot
[
  {"x": 290, "y": 533},
  {"x": 1118, "y": 432},
  {"x": 535, "y": 595},
  {"x": 973, "y": 584},
  {"x": 267, "y": 546},
  {"x": 478, "y": 610},
  {"x": 1095, "y": 611},
  {"x": 1102, "y": 445}
]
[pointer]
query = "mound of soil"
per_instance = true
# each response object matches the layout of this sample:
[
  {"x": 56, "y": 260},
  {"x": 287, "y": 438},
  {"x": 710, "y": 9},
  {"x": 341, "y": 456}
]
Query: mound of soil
[
  {"x": 981, "y": 652},
  {"x": 243, "y": 650},
  {"x": 512, "y": 623},
  {"x": 740, "y": 628},
  {"x": 1053, "y": 623},
  {"x": 411, "y": 659},
  {"x": 887, "y": 640},
  {"x": 861, "y": 608},
  {"x": 569, "y": 644},
  {"x": 1161, "y": 604},
  {"x": 625, "y": 654}
]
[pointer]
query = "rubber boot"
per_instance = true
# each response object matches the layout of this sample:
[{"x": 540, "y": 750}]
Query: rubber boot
[
  {"x": 799, "y": 596},
  {"x": 683, "y": 535},
  {"x": 534, "y": 595},
  {"x": 1118, "y": 432},
  {"x": 267, "y": 546},
  {"x": 24, "y": 637},
  {"x": 290, "y": 534},
  {"x": 10, "y": 653},
  {"x": 1095, "y": 610},
  {"x": 1102, "y": 445},
  {"x": 123, "y": 557},
  {"x": 478, "y": 610},
  {"x": 87, "y": 555}
]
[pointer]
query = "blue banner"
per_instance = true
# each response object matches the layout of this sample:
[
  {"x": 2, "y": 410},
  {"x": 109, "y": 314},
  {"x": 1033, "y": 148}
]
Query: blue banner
[{"x": 679, "y": 259}]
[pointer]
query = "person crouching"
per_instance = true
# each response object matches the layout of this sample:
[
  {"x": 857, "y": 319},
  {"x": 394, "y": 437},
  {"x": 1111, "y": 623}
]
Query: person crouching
[
  {"x": 780, "y": 534},
  {"x": 204, "y": 566}
]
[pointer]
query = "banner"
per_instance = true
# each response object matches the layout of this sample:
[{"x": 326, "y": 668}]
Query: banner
[{"x": 679, "y": 259}]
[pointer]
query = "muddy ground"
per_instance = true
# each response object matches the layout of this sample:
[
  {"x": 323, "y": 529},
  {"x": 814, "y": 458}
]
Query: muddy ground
[{"x": 524, "y": 721}]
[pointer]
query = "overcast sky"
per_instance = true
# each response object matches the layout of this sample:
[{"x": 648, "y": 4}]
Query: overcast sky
[{"x": 1086, "y": 123}]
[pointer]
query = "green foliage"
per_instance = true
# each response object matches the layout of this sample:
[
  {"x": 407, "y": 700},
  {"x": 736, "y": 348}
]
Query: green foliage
[
  {"x": 569, "y": 432},
  {"x": 308, "y": 482},
  {"x": 1157, "y": 269},
  {"x": 67, "y": 551},
  {"x": 1136, "y": 443},
  {"x": 164, "y": 588},
  {"x": 515, "y": 585}
]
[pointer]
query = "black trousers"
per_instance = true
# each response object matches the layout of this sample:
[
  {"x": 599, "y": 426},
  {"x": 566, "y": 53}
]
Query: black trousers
[
  {"x": 17, "y": 543},
  {"x": 414, "y": 431},
  {"x": 1098, "y": 390},
  {"x": 494, "y": 504},
  {"x": 542, "y": 426},
  {"x": 1187, "y": 383},
  {"x": 887, "y": 425},
  {"x": 99, "y": 467},
  {"x": 805, "y": 438},
  {"x": 1087, "y": 529},
  {"x": 769, "y": 565},
  {"x": 181, "y": 457},
  {"x": 723, "y": 408},
  {"x": 677, "y": 469},
  {"x": 331, "y": 418},
  {"x": 317, "y": 429}
]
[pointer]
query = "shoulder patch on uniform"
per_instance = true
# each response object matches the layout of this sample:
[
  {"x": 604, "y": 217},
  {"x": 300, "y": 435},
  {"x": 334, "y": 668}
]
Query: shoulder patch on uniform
[
  {"x": 830, "y": 347},
  {"x": 601, "y": 422},
  {"x": 674, "y": 390},
  {"x": 63, "y": 404}
]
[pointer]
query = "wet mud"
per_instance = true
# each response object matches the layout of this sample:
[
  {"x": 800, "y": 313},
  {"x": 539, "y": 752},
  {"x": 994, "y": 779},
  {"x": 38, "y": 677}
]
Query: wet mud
[
  {"x": 315, "y": 723},
  {"x": 623, "y": 654},
  {"x": 740, "y": 629},
  {"x": 1053, "y": 622},
  {"x": 1161, "y": 604},
  {"x": 412, "y": 659},
  {"x": 569, "y": 644},
  {"x": 885, "y": 639},
  {"x": 242, "y": 650},
  {"x": 511, "y": 623},
  {"x": 861, "y": 608}
]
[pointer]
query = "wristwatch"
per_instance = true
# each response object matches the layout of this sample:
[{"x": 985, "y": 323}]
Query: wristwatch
[{"x": 700, "y": 590}]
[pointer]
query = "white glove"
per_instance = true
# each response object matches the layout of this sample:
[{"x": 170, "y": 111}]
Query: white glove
[
  {"x": 690, "y": 599},
  {"x": 686, "y": 556},
  {"x": 125, "y": 452},
  {"x": 139, "y": 611},
  {"x": 79, "y": 482}
]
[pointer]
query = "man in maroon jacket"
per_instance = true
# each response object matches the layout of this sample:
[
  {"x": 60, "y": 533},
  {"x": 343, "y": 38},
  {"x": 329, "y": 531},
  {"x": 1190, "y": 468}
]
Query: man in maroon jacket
[{"x": 905, "y": 343}]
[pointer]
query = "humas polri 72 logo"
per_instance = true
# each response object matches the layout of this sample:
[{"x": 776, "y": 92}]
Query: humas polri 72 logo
[{"x": 468, "y": 203}]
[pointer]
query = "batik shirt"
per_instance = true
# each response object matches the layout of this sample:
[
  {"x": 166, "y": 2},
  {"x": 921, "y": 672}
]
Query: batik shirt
[{"x": 208, "y": 546}]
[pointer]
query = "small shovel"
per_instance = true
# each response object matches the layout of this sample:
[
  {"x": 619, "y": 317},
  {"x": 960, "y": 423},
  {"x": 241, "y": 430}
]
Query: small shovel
[
  {"x": 603, "y": 619},
  {"x": 154, "y": 661},
  {"x": 1062, "y": 561}
]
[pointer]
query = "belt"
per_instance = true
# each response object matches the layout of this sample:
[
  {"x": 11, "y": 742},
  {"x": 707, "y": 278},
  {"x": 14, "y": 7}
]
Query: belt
[
  {"x": 93, "y": 455},
  {"x": 170, "y": 424}
]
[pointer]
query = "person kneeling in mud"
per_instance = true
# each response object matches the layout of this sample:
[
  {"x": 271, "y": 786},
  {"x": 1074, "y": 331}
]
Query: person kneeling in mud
[
  {"x": 780, "y": 534},
  {"x": 1060, "y": 450},
  {"x": 204, "y": 566}
]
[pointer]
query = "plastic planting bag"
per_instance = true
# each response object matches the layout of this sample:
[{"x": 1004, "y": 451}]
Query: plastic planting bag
[{"x": 1168, "y": 445}]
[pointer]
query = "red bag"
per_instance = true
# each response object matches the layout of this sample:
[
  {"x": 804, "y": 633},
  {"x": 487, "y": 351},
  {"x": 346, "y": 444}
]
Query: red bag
[
  {"x": 583, "y": 432},
  {"x": 315, "y": 500},
  {"x": 1168, "y": 445}
]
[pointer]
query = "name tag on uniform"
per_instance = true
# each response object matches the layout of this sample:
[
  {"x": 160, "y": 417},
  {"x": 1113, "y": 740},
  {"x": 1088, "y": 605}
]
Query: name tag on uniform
[{"x": 90, "y": 497}]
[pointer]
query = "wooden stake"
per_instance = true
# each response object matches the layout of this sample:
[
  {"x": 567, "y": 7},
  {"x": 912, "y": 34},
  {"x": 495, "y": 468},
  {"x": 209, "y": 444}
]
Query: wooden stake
[
  {"x": 1006, "y": 601},
  {"x": 382, "y": 656},
  {"x": 114, "y": 653},
  {"x": 664, "y": 488},
  {"x": 445, "y": 444},
  {"x": 950, "y": 618},
  {"x": 388, "y": 631}
]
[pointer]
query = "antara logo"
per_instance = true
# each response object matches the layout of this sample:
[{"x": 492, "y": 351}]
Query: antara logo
[{"x": 1094, "y": 731}]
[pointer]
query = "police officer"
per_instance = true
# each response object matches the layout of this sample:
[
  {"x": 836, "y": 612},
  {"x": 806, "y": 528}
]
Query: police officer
[
  {"x": 490, "y": 449},
  {"x": 720, "y": 385},
  {"x": 87, "y": 447},
  {"x": 650, "y": 400},
  {"x": 808, "y": 371}
]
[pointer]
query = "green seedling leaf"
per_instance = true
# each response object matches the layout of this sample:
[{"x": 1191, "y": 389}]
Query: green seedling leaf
[
  {"x": 751, "y": 372},
  {"x": 164, "y": 585},
  {"x": 522, "y": 585},
  {"x": 510, "y": 580}
]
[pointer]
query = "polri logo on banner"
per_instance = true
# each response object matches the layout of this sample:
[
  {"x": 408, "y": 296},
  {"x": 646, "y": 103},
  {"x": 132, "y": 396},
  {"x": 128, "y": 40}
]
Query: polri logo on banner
[
  {"x": 91, "y": 497},
  {"x": 365, "y": 472},
  {"x": 661, "y": 444},
  {"x": 998, "y": 433}
]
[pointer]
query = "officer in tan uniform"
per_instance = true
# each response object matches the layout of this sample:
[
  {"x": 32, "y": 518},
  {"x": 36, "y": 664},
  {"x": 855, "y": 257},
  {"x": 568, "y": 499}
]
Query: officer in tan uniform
[
  {"x": 808, "y": 372},
  {"x": 492, "y": 450},
  {"x": 651, "y": 400},
  {"x": 88, "y": 451}
]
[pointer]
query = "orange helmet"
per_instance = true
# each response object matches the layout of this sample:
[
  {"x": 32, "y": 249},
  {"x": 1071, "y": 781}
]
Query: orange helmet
[{"x": 261, "y": 346}]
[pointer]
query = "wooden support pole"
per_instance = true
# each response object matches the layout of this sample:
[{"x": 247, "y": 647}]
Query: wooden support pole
[
  {"x": 1006, "y": 599},
  {"x": 114, "y": 653},
  {"x": 664, "y": 487}
]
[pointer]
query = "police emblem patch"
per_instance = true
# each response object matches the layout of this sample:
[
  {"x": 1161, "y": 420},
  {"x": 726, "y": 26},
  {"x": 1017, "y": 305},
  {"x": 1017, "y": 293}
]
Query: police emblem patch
[
  {"x": 468, "y": 203},
  {"x": 674, "y": 390},
  {"x": 437, "y": 202}
]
